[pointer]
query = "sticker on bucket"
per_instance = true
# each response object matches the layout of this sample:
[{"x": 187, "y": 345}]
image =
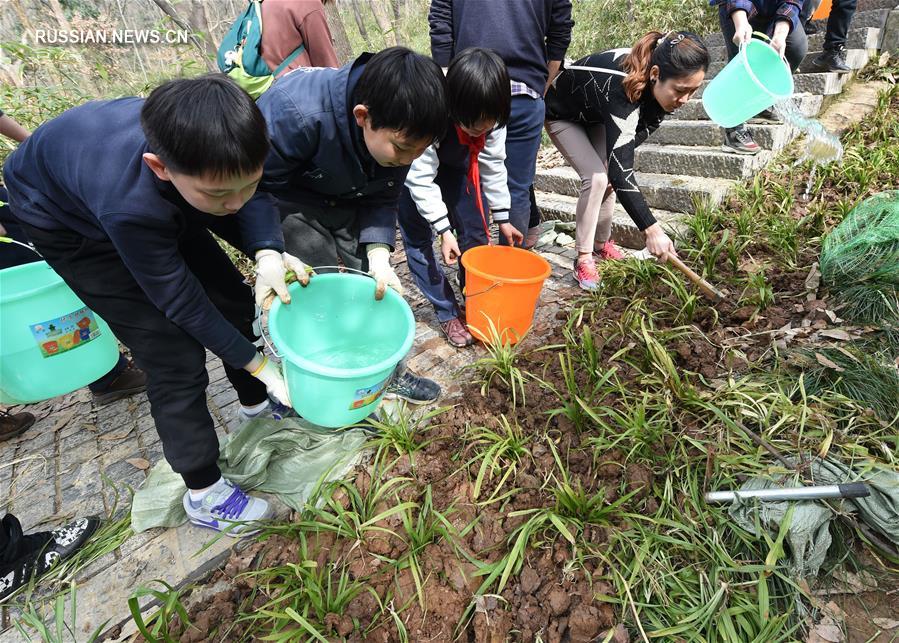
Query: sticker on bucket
[
  {"x": 365, "y": 396},
  {"x": 65, "y": 333}
]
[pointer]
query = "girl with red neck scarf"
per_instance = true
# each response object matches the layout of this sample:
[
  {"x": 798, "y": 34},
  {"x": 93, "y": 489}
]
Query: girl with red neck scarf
[{"x": 459, "y": 184}]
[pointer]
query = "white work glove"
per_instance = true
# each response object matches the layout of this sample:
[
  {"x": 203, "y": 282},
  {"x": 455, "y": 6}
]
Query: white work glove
[
  {"x": 271, "y": 268},
  {"x": 379, "y": 267},
  {"x": 742, "y": 28},
  {"x": 269, "y": 373},
  {"x": 449, "y": 248},
  {"x": 658, "y": 243}
]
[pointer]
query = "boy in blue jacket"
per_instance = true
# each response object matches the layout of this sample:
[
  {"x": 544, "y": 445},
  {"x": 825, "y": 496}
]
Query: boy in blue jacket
[
  {"x": 342, "y": 142},
  {"x": 120, "y": 197},
  {"x": 458, "y": 183}
]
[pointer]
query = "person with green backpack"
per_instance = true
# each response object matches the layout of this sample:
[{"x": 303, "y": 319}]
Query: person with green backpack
[{"x": 272, "y": 38}]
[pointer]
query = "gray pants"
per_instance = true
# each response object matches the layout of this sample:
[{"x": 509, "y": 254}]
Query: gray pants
[
  {"x": 319, "y": 236},
  {"x": 584, "y": 147}
]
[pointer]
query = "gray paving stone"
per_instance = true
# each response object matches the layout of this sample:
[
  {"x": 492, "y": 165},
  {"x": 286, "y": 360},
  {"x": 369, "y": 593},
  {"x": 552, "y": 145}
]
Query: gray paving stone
[
  {"x": 72, "y": 457},
  {"x": 32, "y": 510}
]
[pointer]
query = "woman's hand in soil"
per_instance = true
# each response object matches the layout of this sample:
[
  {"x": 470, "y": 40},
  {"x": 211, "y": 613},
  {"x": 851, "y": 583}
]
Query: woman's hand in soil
[
  {"x": 379, "y": 267},
  {"x": 271, "y": 272},
  {"x": 269, "y": 373},
  {"x": 511, "y": 233},
  {"x": 449, "y": 248},
  {"x": 657, "y": 242}
]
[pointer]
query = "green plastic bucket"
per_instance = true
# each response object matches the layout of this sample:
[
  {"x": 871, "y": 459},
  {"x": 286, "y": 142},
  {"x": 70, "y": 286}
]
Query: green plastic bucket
[
  {"x": 753, "y": 81},
  {"x": 50, "y": 342},
  {"x": 339, "y": 347}
]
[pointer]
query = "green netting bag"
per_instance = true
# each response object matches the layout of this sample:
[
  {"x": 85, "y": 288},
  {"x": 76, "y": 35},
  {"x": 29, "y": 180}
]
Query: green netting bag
[{"x": 860, "y": 261}]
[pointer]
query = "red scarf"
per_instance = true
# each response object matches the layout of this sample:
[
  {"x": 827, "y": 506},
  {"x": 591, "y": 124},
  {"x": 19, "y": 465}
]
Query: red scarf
[{"x": 474, "y": 145}]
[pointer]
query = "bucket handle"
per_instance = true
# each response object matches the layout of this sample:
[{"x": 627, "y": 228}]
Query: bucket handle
[
  {"x": 749, "y": 69},
  {"x": 270, "y": 344},
  {"x": 19, "y": 243},
  {"x": 486, "y": 290}
]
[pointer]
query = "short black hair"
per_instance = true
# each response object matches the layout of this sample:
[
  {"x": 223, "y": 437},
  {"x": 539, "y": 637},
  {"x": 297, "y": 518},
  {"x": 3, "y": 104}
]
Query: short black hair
[
  {"x": 205, "y": 126},
  {"x": 478, "y": 87},
  {"x": 404, "y": 91}
]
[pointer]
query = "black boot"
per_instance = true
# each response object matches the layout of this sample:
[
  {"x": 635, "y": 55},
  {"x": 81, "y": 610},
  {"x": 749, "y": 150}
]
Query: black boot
[{"x": 833, "y": 60}]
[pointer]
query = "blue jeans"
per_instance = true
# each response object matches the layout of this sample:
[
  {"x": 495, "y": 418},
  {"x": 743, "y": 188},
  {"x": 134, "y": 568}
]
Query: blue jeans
[
  {"x": 523, "y": 134},
  {"x": 418, "y": 239}
]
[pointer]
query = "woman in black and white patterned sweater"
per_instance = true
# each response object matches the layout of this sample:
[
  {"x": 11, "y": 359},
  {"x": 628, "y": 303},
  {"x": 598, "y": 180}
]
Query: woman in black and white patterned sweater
[{"x": 598, "y": 110}]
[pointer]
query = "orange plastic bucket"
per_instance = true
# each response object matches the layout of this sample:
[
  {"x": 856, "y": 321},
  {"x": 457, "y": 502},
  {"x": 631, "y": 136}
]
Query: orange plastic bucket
[
  {"x": 823, "y": 10},
  {"x": 502, "y": 285}
]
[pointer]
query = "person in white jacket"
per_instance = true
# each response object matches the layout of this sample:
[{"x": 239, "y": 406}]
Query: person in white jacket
[{"x": 458, "y": 183}]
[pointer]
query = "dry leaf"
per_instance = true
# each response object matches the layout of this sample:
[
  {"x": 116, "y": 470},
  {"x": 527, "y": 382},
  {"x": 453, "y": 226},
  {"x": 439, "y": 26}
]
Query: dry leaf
[
  {"x": 825, "y": 633},
  {"x": 823, "y": 361},
  {"x": 885, "y": 623},
  {"x": 848, "y": 354},
  {"x": 825, "y": 445},
  {"x": 832, "y": 316},
  {"x": 836, "y": 333},
  {"x": 813, "y": 279},
  {"x": 139, "y": 463}
]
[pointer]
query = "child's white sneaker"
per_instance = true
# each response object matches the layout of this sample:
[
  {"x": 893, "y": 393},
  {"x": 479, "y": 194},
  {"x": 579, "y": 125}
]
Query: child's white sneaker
[{"x": 225, "y": 504}]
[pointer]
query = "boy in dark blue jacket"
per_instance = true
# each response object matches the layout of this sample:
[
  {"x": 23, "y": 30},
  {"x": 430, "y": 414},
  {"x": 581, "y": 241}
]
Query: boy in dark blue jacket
[
  {"x": 342, "y": 142},
  {"x": 120, "y": 197}
]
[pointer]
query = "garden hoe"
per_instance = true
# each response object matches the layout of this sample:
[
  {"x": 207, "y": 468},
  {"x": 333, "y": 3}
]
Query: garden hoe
[{"x": 711, "y": 293}]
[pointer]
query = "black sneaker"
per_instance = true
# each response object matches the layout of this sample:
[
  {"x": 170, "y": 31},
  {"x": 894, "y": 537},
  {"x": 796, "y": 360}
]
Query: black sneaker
[
  {"x": 131, "y": 381},
  {"x": 739, "y": 141},
  {"x": 770, "y": 116},
  {"x": 14, "y": 424},
  {"x": 32, "y": 555},
  {"x": 832, "y": 60},
  {"x": 412, "y": 388}
]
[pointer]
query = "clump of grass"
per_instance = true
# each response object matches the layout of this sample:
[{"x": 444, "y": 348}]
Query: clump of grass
[
  {"x": 499, "y": 451},
  {"x": 859, "y": 376},
  {"x": 401, "y": 431},
  {"x": 501, "y": 364},
  {"x": 171, "y": 610}
]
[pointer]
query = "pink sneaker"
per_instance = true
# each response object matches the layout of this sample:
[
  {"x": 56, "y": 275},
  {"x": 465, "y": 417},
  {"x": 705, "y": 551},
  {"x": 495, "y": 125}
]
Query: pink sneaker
[
  {"x": 585, "y": 273},
  {"x": 608, "y": 250}
]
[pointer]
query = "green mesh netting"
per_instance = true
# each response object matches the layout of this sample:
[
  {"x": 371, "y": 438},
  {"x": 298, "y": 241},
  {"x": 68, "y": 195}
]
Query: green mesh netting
[{"x": 860, "y": 261}]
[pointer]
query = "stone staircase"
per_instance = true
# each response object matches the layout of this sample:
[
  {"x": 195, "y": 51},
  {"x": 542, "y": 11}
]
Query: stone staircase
[{"x": 683, "y": 160}]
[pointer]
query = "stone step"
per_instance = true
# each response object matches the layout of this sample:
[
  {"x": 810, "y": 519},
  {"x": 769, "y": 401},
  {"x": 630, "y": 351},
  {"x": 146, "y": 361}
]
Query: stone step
[
  {"x": 868, "y": 18},
  {"x": 809, "y": 105},
  {"x": 822, "y": 84},
  {"x": 712, "y": 162},
  {"x": 770, "y": 136},
  {"x": 624, "y": 231},
  {"x": 858, "y": 38},
  {"x": 663, "y": 191}
]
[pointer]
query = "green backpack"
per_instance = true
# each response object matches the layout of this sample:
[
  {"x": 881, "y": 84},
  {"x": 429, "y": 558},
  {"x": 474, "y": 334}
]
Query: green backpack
[{"x": 239, "y": 54}]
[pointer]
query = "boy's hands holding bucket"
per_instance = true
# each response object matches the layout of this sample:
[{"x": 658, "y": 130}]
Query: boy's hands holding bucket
[
  {"x": 271, "y": 273},
  {"x": 779, "y": 38},
  {"x": 379, "y": 267},
  {"x": 269, "y": 373}
]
